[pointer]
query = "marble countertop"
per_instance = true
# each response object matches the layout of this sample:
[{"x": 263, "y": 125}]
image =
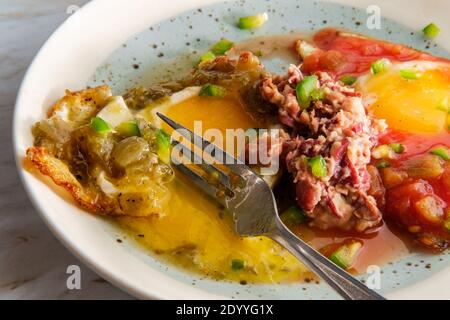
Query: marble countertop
[{"x": 33, "y": 263}]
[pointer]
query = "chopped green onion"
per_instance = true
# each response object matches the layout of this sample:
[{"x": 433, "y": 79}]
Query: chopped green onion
[
  {"x": 318, "y": 166},
  {"x": 317, "y": 94},
  {"x": 221, "y": 47},
  {"x": 441, "y": 152},
  {"x": 128, "y": 129},
  {"x": 348, "y": 79},
  {"x": 380, "y": 66},
  {"x": 237, "y": 264},
  {"x": 293, "y": 215},
  {"x": 444, "y": 106},
  {"x": 345, "y": 255},
  {"x": 252, "y": 22},
  {"x": 397, "y": 147},
  {"x": 207, "y": 56},
  {"x": 409, "y": 74},
  {"x": 212, "y": 90},
  {"x": 383, "y": 164},
  {"x": 163, "y": 145},
  {"x": 431, "y": 30},
  {"x": 304, "y": 89},
  {"x": 100, "y": 125}
]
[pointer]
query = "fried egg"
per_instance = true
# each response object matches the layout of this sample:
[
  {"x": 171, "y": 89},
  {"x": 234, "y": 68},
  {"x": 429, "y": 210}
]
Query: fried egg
[{"x": 416, "y": 102}]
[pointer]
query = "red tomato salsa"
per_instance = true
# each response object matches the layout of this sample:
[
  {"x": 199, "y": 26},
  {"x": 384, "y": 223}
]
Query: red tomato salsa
[
  {"x": 343, "y": 53},
  {"x": 416, "y": 181},
  {"x": 417, "y": 186}
]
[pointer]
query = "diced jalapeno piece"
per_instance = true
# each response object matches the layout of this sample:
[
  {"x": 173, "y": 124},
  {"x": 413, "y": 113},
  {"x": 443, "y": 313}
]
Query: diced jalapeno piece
[
  {"x": 304, "y": 89},
  {"x": 129, "y": 129},
  {"x": 318, "y": 166},
  {"x": 383, "y": 164},
  {"x": 380, "y": 66},
  {"x": 252, "y": 22},
  {"x": 221, "y": 47},
  {"x": 410, "y": 74},
  {"x": 237, "y": 264},
  {"x": 100, "y": 125},
  {"x": 212, "y": 90},
  {"x": 293, "y": 215},
  {"x": 397, "y": 147},
  {"x": 441, "y": 152},
  {"x": 348, "y": 79},
  {"x": 163, "y": 145},
  {"x": 207, "y": 56},
  {"x": 431, "y": 30},
  {"x": 345, "y": 255}
]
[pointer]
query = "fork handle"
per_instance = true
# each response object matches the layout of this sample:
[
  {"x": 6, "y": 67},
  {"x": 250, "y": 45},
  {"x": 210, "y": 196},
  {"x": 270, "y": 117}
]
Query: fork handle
[{"x": 346, "y": 285}]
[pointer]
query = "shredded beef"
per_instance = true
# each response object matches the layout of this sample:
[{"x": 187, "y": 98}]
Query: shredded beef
[{"x": 339, "y": 129}]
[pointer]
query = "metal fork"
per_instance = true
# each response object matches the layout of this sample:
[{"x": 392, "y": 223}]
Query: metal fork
[{"x": 255, "y": 213}]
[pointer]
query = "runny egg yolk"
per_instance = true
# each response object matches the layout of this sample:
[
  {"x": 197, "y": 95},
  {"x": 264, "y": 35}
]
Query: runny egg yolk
[
  {"x": 413, "y": 105},
  {"x": 214, "y": 113},
  {"x": 196, "y": 233}
]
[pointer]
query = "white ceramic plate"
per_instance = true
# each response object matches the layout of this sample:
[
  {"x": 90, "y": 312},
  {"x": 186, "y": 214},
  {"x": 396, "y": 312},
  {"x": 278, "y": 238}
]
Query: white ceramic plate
[{"x": 70, "y": 58}]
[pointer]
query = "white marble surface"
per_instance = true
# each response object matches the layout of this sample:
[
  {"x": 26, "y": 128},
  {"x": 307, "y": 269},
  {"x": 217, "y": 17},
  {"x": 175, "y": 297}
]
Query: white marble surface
[{"x": 32, "y": 262}]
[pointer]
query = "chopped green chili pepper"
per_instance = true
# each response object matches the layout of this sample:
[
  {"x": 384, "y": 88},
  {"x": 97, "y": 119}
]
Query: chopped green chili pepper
[
  {"x": 304, "y": 89},
  {"x": 348, "y": 79},
  {"x": 345, "y": 255},
  {"x": 410, "y": 74},
  {"x": 212, "y": 90},
  {"x": 431, "y": 30},
  {"x": 100, "y": 125},
  {"x": 252, "y": 22},
  {"x": 441, "y": 152},
  {"x": 380, "y": 66},
  {"x": 237, "y": 264},
  {"x": 397, "y": 147},
  {"x": 128, "y": 129},
  {"x": 383, "y": 164},
  {"x": 221, "y": 47},
  {"x": 163, "y": 145},
  {"x": 207, "y": 56},
  {"x": 318, "y": 166},
  {"x": 293, "y": 215}
]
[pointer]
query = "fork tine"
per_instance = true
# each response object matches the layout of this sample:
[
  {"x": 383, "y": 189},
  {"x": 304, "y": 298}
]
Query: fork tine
[
  {"x": 206, "y": 166},
  {"x": 231, "y": 162}
]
